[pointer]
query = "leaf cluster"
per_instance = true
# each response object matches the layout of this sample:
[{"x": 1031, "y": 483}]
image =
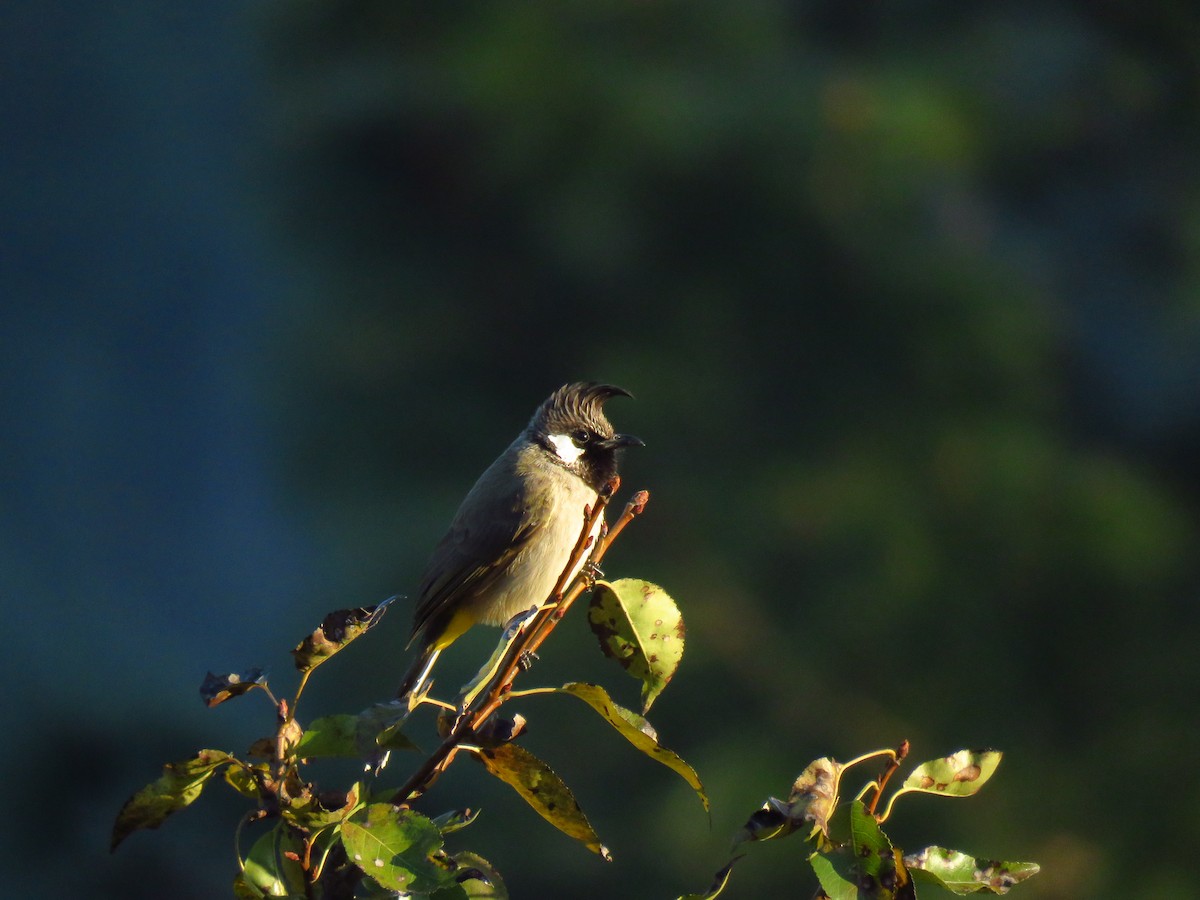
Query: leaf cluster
[
  {"x": 367, "y": 840},
  {"x": 850, "y": 855}
]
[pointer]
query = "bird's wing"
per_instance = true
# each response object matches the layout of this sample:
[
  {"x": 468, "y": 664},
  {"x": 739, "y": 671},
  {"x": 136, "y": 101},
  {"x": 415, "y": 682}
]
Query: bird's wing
[{"x": 470, "y": 556}]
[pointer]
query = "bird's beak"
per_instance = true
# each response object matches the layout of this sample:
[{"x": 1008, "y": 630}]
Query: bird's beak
[{"x": 618, "y": 441}]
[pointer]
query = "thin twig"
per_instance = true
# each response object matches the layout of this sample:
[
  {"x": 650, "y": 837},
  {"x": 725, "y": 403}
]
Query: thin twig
[{"x": 892, "y": 765}]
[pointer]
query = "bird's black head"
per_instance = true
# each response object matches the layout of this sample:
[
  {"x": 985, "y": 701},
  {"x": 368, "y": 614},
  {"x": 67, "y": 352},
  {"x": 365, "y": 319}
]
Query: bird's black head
[{"x": 571, "y": 426}]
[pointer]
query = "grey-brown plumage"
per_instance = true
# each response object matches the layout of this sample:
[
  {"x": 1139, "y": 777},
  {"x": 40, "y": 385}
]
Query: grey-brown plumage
[{"x": 513, "y": 534}]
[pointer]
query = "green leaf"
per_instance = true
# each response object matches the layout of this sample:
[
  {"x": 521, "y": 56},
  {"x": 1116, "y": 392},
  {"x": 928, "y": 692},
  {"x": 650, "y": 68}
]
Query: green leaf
[
  {"x": 378, "y": 728},
  {"x": 962, "y": 874},
  {"x": 543, "y": 790},
  {"x": 396, "y": 847},
  {"x": 636, "y": 730},
  {"x": 216, "y": 689},
  {"x": 865, "y": 868},
  {"x": 720, "y": 879},
  {"x": 835, "y": 874},
  {"x": 315, "y": 811},
  {"x": 455, "y": 820},
  {"x": 638, "y": 625},
  {"x": 179, "y": 786},
  {"x": 329, "y": 736},
  {"x": 478, "y": 877},
  {"x": 337, "y": 630},
  {"x": 960, "y": 774},
  {"x": 241, "y": 779},
  {"x": 268, "y": 868}
]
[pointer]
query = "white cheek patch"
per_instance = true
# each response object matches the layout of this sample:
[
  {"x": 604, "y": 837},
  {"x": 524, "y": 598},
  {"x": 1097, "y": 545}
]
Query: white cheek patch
[{"x": 565, "y": 448}]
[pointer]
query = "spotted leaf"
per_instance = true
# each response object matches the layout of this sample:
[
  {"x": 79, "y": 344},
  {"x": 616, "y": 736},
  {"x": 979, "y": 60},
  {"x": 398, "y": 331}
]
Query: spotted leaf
[{"x": 638, "y": 625}]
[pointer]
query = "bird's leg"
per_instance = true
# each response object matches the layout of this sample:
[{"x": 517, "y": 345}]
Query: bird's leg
[
  {"x": 526, "y": 659},
  {"x": 483, "y": 678},
  {"x": 591, "y": 571}
]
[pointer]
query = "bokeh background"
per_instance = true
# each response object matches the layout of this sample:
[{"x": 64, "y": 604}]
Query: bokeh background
[{"x": 909, "y": 297}]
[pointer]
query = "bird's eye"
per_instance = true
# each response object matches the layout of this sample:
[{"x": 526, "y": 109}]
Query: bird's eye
[{"x": 580, "y": 437}]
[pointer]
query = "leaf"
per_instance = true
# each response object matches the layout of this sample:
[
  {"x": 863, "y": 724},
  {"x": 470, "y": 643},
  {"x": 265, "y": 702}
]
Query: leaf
[
  {"x": 396, "y": 848},
  {"x": 815, "y": 792},
  {"x": 269, "y": 870},
  {"x": 960, "y": 774},
  {"x": 478, "y": 877},
  {"x": 315, "y": 811},
  {"x": 179, "y": 786},
  {"x": 241, "y": 779},
  {"x": 720, "y": 879},
  {"x": 337, "y": 630},
  {"x": 638, "y": 625},
  {"x": 329, "y": 736},
  {"x": 216, "y": 689},
  {"x": 811, "y": 802},
  {"x": 867, "y": 868},
  {"x": 378, "y": 728},
  {"x": 455, "y": 820},
  {"x": 636, "y": 730},
  {"x": 543, "y": 790},
  {"x": 834, "y": 874},
  {"x": 962, "y": 874}
]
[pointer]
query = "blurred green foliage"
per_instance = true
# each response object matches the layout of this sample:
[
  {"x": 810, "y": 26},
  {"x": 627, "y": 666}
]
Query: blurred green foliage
[
  {"x": 881, "y": 277},
  {"x": 908, "y": 296}
]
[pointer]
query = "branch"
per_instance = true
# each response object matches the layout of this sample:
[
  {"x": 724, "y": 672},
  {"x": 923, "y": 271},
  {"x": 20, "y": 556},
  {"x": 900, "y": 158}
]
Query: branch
[{"x": 526, "y": 643}]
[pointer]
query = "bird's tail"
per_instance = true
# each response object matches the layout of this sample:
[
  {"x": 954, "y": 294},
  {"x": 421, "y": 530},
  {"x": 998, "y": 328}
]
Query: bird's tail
[{"x": 418, "y": 672}]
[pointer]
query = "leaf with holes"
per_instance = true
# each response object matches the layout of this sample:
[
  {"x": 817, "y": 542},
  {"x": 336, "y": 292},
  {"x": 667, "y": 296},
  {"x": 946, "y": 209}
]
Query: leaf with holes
[
  {"x": 638, "y": 625},
  {"x": 337, "y": 630},
  {"x": 962, "y": 874},
  {"x": 179, "y": 786},
  {"x": 542, "y": 789},
  {"x": 396, "y": 847},
  {"x": 636, "y": 730}
]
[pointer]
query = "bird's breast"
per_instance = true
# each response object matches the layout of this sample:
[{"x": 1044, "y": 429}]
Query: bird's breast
[{"x": 533, "y": 572}]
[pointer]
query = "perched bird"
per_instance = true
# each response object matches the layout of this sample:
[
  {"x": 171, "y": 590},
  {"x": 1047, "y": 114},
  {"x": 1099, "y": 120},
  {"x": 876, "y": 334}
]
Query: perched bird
[{"x": 513, "y": 534}]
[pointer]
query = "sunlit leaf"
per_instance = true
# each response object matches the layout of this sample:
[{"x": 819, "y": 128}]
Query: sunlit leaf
[
  {"x": 216, "y": 689},
  {"x": 270, "y": 870},
  {"x": 315, "y": 811},
  {"x": 337, "y": 630},
  {"x": 835, "y": 874},
  {"x": 638, "y": 625},
  {"x": 815, "y": 792},
  {"x": 962, "y": 874},
  {"x": 329, "y": 736},
  {"x": 866, "y": 867},
  {"x": 542, "y": 789},
  {"x": 636, "y": 730},
  {"x": 455, "y": 820},
  {"x": 960, "y": 774},
  {"x": 179, "y": 786},
  {"x": 478, "y": 877},
  {"x": 241, "y": 779},
  {"x": 396, "y": 848},
  {"x": 809, "y": 805},
  {"x": 720, "y": 880}
]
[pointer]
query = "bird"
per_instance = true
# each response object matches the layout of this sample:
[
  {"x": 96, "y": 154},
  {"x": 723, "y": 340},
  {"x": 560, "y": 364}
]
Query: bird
[{"x": 514, "y": 532}]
